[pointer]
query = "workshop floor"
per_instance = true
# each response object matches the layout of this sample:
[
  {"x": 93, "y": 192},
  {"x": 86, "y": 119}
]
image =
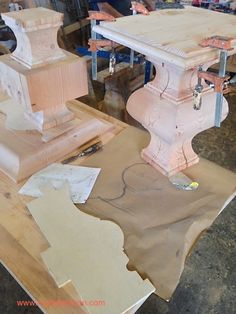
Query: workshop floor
[{"x": 209, "y": 278}]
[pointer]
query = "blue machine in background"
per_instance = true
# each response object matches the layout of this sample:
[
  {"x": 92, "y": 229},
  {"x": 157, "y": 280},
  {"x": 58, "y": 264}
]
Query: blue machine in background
[
  {"x": 121, "y": 57},
  {"x": 124, "y": 8}
]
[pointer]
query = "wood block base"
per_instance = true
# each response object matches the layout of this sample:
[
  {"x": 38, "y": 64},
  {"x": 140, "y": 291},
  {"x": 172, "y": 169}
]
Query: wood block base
[
  {"x": 165, "y": 172},
  {"x": 24, "y": 153}
]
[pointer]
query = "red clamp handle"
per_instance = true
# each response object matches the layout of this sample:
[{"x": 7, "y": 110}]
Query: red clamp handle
[
  {"x": 100, "y": 16},
  {"x": 219, "y": 42},
  {"x": 139, "y": 8}
]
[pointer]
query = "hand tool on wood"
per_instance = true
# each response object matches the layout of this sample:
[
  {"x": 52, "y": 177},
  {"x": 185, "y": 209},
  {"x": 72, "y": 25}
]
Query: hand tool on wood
[
  {"x": 95, "y": 16},
  {"x": 218, "y": 80},
  {"x": 88, "y": 151}
]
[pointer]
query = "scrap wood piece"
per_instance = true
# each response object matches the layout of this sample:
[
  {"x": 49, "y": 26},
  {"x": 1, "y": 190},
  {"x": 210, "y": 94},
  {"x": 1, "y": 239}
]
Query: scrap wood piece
[
  {"x": 89, "y": 253},
  {"x": 107, "y": 8},
  {"x": 75, "y": 26}
]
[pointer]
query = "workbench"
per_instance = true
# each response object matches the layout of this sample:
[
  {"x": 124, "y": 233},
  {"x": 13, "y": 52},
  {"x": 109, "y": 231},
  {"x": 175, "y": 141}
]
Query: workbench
[{"x": 22, "y": 242}]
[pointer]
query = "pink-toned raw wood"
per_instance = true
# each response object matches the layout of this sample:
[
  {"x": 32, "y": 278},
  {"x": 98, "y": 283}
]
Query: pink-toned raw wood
[
  {"x": 96, "y": 44},
  {"x": 171, "y": 40},
  {"x": 170, "y": 118},
  {"x": 36, "y": 33},
  {"x": 40, "y": 78},
  {"x": 22, "y": 240},
  {"x": 102, "y": 16},
  {"x": 44, "y": 91},
  {"x": 139, "y": 8},
  {"x": 24, "y": 153}
]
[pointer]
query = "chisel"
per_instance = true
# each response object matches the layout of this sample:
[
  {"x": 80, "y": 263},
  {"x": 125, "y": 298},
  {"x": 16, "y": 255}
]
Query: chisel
[{"x": 88, "y": 151}]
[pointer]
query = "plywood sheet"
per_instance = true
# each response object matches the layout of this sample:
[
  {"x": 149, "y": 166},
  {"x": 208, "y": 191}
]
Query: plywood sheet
[
  {"x": 160, "y": 223},
  {"x": 89, "y": 253}
]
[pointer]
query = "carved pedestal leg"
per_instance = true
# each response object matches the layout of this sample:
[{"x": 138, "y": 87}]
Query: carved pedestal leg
[
  {"x": 169, "y": 158},
  {"x": 36, "y": 83},
  {"x": 165, "y": 108}
]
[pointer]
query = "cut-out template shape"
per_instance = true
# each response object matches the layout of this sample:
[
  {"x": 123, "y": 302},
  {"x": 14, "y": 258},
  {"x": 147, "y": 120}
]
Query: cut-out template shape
[{"x": 89, "y": 253}]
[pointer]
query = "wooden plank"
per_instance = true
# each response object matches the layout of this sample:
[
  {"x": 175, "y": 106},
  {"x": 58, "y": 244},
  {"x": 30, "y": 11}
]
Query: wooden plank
[
  {"x": 29, "y": 271},
  {"x": 4, "y": 6},
  {"x": 28, "y": 4},
  {"x": 104, "y": 74},
  {"x": 106, "y": 7},
  {"x": 22, "y": 241},
  {"x": 75, "y": 106},
  {"x": 75, "y": 26},
  {"x": 40, "y": 47},
  {"x": 150, "y": 4}
]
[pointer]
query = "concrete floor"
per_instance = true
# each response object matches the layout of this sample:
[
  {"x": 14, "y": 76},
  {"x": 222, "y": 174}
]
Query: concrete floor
[{"x": 208, "y": 283}]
